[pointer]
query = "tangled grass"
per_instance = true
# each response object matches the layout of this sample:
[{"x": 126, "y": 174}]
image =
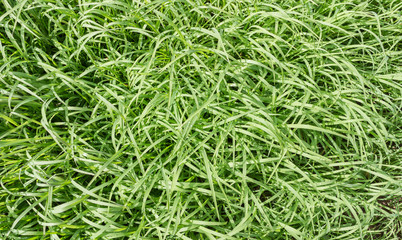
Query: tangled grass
[{"x": 189, "y": 119}]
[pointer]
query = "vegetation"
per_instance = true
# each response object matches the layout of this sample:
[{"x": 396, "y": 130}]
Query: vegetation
[{"x": 189, "y": 119}]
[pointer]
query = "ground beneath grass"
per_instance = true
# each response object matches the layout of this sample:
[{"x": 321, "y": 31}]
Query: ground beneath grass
[{"x": 188, "y": 119}]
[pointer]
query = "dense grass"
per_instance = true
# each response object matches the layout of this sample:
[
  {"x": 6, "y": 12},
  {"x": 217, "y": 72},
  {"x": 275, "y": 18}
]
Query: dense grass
[{"x": 187, "y": 119}]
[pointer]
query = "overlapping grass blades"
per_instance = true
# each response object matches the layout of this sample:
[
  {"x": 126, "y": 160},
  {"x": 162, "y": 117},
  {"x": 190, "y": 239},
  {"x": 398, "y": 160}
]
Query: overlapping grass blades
[{"x": 186, "y": 119}]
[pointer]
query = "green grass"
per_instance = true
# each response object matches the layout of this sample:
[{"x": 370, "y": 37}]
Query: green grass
[{"x": 188, "y": 119}]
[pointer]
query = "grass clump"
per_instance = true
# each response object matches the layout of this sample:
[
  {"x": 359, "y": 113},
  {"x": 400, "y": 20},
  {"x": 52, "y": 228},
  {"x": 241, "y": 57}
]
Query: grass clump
[{"x": 187, "y": 119}]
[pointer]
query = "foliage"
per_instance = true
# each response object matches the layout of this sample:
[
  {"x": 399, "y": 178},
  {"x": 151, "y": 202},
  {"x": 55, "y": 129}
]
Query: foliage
[{"x": 189, "y": 119}]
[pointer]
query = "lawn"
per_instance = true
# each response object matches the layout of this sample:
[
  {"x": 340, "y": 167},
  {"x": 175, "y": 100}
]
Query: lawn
[{"x": 189, "y": 119}]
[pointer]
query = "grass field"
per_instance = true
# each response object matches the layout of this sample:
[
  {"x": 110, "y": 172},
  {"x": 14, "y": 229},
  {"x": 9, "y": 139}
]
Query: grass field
[{"x": 189, "y": 119}]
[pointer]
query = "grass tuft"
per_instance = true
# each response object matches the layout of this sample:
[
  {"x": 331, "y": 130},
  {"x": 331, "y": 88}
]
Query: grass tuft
[{"x": 188, "y": 119}]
